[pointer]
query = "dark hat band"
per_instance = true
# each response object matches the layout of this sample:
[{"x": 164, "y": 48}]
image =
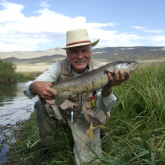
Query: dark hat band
[{"x": 81, "y": 42}]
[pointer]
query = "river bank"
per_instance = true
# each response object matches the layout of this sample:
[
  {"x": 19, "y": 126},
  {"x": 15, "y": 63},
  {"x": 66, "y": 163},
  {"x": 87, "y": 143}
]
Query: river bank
[
  {"x": 135, "y": 132},
  {"x": 14, "y": 107}
]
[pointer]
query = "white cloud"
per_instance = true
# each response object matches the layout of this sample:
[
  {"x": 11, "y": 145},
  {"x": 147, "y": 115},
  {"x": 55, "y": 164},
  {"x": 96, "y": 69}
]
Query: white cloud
[
  {"x": 148, "y": 31},
  {"x": 48, "y": 29},
  {"x": 154, "y": 31},
  {"x": 138, "y": 27},
  {"x": 11, "y": 12},
  {"x": 156, "y": 40},
  {"x": 44, "y": 4}
]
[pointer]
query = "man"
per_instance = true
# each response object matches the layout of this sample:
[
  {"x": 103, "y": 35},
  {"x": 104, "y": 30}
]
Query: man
[{"x": 78, "y": 61}]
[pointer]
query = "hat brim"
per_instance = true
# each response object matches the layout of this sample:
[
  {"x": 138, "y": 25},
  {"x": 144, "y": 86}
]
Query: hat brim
[{"x": 82, "y": 44}]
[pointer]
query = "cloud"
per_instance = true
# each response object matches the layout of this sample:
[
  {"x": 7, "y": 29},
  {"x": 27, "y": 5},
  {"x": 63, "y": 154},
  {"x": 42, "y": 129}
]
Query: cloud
[
  {"x": 11, "y": 12},
  {"x": 48, "y": 29},
  {"x": 154, "y": 31},
  {"x": 156, "y": 40},
  {"x": 138, "y": 27},
  {"x": 148, "y": 31},
  {"x": 44, "y": 4}
]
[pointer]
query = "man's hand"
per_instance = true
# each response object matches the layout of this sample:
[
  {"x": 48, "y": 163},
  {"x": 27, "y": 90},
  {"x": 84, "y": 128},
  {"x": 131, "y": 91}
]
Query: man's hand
[
  {"x": 43, "y": 90},
  {"x": 119, "y": 78}
]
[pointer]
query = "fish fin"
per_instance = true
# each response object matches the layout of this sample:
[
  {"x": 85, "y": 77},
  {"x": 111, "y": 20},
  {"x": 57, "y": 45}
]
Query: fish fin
[
  {"x": 106, "y": 71},
  {"x": 60, "y": 98},
  {"x": 83, "y": 99}
]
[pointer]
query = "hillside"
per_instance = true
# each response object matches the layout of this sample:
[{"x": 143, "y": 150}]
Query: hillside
[
  {"x": 105, "y": 54},
  {"x": 129, "y": 53}
]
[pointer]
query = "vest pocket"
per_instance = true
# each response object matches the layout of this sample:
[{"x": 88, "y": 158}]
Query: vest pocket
[
  {"x": 67, "y": 106},
  {"x": 93, "y": 114},
  {"x": 98, "y": 114}
]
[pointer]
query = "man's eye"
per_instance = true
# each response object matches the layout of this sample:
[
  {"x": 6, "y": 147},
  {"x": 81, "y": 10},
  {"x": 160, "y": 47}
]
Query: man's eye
[
  {"x": 74, "y": 52},
  {"x": 84, "y": 51}
]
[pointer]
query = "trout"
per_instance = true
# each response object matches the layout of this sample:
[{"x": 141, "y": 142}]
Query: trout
[{"x": 90, "y": 81}]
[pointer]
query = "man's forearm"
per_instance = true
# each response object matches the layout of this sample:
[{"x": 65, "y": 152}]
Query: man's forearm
[{"x": 32, "y": 88}]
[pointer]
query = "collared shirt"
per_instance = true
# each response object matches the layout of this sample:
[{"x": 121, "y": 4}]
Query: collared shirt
[{"x": 52, "y": 73}]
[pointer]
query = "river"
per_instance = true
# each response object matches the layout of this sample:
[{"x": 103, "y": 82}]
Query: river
[{"x": 14, "y": 107}]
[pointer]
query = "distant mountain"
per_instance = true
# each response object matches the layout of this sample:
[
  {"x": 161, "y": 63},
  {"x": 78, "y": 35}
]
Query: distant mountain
[
  {"x": 42, "y": 59},
  {"x": 128, "y": 53},
  {"x": 32, "y": 54},
  {"x": 101, "y": 54}
]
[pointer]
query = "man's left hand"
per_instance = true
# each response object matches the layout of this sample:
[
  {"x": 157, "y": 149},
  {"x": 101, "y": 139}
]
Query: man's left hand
[{"x": 117, "y": 80}]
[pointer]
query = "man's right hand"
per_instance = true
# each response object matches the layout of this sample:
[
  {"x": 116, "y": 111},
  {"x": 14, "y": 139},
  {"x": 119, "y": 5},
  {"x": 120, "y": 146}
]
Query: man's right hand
[{"x": 43, "y": 90}]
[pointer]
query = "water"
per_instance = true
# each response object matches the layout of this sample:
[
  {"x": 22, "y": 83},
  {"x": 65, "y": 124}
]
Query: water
[{"x": 14, "y": 107}]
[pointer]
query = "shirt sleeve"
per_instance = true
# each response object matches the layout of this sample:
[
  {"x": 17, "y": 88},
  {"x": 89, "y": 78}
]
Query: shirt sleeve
[
  {"x": 52, "y": 73},
  {"x": 105, "y": 103}
]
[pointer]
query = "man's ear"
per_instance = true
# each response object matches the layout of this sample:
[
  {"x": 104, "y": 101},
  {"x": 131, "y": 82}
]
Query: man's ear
[{"x": 67, "y": 54}]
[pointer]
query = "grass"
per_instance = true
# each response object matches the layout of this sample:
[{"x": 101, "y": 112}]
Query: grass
[
  {"x": 61, "y": 147},
  {"x": 135, "y": 134},
  {"x": 22, "y": 76}
]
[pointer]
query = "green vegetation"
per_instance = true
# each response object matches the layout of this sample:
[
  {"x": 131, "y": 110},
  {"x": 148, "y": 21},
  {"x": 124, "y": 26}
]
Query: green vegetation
[
  {"x": 22, "y": 76},
  {"x": 7, "y": 72},
  {"x": 135, "y": 134}
]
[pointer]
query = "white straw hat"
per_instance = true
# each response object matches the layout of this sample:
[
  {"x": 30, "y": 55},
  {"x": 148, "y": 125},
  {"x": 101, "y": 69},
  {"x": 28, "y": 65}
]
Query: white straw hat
[{"x": 78, "y": 37}]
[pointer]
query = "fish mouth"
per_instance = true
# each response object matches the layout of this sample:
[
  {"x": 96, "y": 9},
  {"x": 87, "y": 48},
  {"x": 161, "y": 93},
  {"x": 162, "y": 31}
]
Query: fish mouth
[
  {"x": 133, "y": 66},
  {"x": 79, "y": 61}
]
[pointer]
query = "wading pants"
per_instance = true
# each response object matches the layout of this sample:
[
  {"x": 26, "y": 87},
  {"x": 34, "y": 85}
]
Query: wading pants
[{"x": 50, "y": 117}]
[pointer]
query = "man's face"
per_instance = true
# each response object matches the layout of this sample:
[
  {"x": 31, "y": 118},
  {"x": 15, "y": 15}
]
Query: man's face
[{"x": 79, "y": 57}]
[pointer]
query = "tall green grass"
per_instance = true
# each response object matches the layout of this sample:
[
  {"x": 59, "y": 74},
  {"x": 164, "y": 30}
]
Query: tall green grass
[
  {"x": 7, "y": 72},
  {"x": 137, "y": 123},
  {"x": 136, "y": 128}
]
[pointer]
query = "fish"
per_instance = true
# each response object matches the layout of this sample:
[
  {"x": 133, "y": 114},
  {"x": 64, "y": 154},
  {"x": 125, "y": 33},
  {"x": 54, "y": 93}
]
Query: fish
[{"x": 90, "y": 81}]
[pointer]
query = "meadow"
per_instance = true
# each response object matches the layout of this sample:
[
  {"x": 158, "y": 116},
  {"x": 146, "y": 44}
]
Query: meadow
[{"x": 135, "y": 134}]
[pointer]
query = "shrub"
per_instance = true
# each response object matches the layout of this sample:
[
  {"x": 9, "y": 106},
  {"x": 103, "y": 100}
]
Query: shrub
[{"x": 7, "y": 72}]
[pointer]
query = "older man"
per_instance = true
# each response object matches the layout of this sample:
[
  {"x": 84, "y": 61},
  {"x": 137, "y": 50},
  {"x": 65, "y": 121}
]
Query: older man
[{"x": 78, "y": 61}]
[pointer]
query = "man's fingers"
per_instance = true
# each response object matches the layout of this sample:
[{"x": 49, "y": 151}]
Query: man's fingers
[
  {"x": 116, "y": 75},
  {"x": 49, "y": 84},
  {"x": 122, "y": 77},
  {"x": 127, "y": 76},
  {"x": 110, "y": 76},
  {"x": 48, "y": 93},
  {"x": 52, "y": 91},
  {"x": 49, "y": 102}
]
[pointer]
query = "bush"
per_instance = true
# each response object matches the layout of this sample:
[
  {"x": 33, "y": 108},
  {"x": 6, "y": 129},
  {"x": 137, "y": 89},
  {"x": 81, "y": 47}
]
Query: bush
[{"x": 7, "y": 72}]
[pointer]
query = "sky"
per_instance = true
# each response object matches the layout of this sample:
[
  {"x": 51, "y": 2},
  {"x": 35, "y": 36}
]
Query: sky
[{"x": 37, "y": 25}]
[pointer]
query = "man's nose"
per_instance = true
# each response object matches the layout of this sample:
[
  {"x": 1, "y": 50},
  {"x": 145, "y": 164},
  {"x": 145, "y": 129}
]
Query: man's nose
[{"x": 80, "y": 55}]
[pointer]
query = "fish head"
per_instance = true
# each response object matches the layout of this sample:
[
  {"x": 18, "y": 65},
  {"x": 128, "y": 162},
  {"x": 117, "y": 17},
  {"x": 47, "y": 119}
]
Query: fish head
[{"x": 127, "y": 66}]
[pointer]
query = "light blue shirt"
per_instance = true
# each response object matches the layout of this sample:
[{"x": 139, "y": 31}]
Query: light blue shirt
[{"x": 52, "y": 73}]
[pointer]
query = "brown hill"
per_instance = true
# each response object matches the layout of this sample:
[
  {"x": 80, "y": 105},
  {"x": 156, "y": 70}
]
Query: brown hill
[{"x": 105, "y": 54}]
